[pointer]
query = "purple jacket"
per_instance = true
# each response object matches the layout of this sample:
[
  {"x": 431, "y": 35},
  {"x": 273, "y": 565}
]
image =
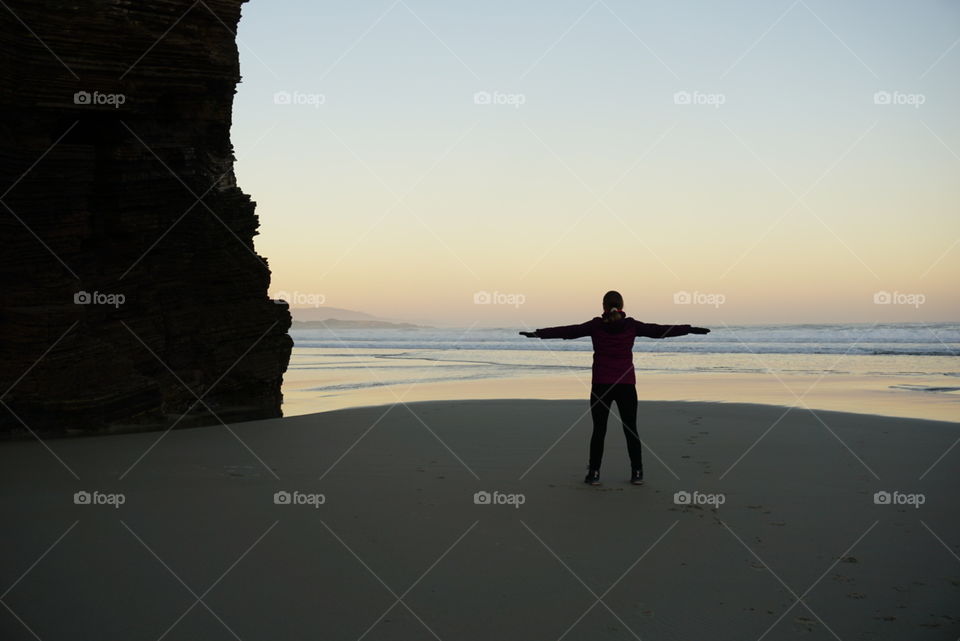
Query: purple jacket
[{"x": 613, "y": 343}]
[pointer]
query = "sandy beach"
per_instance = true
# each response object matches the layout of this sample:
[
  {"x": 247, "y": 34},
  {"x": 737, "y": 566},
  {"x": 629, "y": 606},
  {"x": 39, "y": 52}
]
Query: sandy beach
[{"x": 376, "y": 532}]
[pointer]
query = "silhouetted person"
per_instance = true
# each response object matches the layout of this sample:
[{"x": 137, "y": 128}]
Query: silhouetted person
[{"x": 613, "y": 376}]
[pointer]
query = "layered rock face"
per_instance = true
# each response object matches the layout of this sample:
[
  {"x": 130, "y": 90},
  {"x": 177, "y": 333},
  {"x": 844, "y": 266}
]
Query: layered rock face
[{"x": 130, "y": 283}]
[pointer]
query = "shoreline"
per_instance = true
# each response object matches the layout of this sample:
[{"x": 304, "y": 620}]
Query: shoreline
[{"x": 843, "y": 393}]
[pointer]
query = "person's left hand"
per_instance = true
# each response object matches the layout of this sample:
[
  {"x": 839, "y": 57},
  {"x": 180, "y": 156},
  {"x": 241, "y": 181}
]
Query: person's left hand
[{"x": 529, "y": 334}]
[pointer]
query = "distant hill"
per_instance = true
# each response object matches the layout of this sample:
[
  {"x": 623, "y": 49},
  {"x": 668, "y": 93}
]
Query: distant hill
[
  {"x": 337, "y": 323},
  {"x": 303, "y": 314},
  {"x": 326, "y": 314}
]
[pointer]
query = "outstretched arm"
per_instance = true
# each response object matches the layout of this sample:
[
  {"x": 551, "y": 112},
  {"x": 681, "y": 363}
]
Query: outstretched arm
[
  {"x": 564, "y": 331},
  {"x": 652, "y": 330}
]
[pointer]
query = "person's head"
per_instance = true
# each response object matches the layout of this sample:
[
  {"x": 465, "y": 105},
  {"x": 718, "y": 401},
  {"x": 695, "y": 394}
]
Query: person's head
[{"x": 612, "y": 300}]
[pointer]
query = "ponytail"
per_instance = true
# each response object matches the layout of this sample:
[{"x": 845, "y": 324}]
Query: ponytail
[
  {"x": 612, "y": 306},
  {"x": 613, "y": 314}
]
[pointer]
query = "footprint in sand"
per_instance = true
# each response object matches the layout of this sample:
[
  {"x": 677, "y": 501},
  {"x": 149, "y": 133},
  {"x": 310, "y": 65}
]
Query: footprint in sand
[
  {"x": 805, "y": 622},
  {"x": 241, "y": 470}
]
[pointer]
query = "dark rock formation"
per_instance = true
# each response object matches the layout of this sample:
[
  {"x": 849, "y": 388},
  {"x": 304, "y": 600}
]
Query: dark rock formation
[{"x": 116, "y": 179}]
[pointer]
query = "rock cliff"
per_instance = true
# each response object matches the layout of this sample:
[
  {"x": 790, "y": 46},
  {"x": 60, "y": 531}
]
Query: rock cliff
[{"x": 130, "y": 282}]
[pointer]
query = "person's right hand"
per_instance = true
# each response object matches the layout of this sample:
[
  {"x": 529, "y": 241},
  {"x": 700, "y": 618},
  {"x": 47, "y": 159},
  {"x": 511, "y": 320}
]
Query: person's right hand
[
  {"x": 699, "y": 330},
  {"x": 529, "y": 334}
]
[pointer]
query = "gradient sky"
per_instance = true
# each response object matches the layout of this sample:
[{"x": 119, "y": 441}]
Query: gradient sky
[{"x": 795, "y": 200}]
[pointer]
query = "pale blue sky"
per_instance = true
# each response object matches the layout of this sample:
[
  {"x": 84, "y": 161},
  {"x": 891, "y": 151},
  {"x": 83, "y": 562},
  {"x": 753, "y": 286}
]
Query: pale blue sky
[{"x": 505, "y": 198}]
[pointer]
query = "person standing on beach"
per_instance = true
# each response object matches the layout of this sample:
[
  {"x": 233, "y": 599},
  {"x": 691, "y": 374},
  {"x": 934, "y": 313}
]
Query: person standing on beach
[{"x": 613, "y": 377}]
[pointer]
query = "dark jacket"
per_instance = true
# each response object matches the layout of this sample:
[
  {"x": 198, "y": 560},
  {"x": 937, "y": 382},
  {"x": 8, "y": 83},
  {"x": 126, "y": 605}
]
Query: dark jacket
[{"x": 613, "y": 343}]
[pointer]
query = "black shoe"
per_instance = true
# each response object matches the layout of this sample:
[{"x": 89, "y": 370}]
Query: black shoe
[
  {"x": 593, "y": 477},
  {"x": 636, "y": 477}
]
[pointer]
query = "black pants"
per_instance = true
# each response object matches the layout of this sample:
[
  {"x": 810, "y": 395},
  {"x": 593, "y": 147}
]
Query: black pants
[{"x": 602, "y": 397}]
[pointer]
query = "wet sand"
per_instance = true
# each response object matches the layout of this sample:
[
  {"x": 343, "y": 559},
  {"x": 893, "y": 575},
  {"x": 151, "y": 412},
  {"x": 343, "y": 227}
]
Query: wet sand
[{"x": 839, "y": 392}]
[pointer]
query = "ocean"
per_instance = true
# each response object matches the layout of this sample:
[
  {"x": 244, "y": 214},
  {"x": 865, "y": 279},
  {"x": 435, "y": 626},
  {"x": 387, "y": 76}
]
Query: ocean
[{"x": 332, "y": 368}]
